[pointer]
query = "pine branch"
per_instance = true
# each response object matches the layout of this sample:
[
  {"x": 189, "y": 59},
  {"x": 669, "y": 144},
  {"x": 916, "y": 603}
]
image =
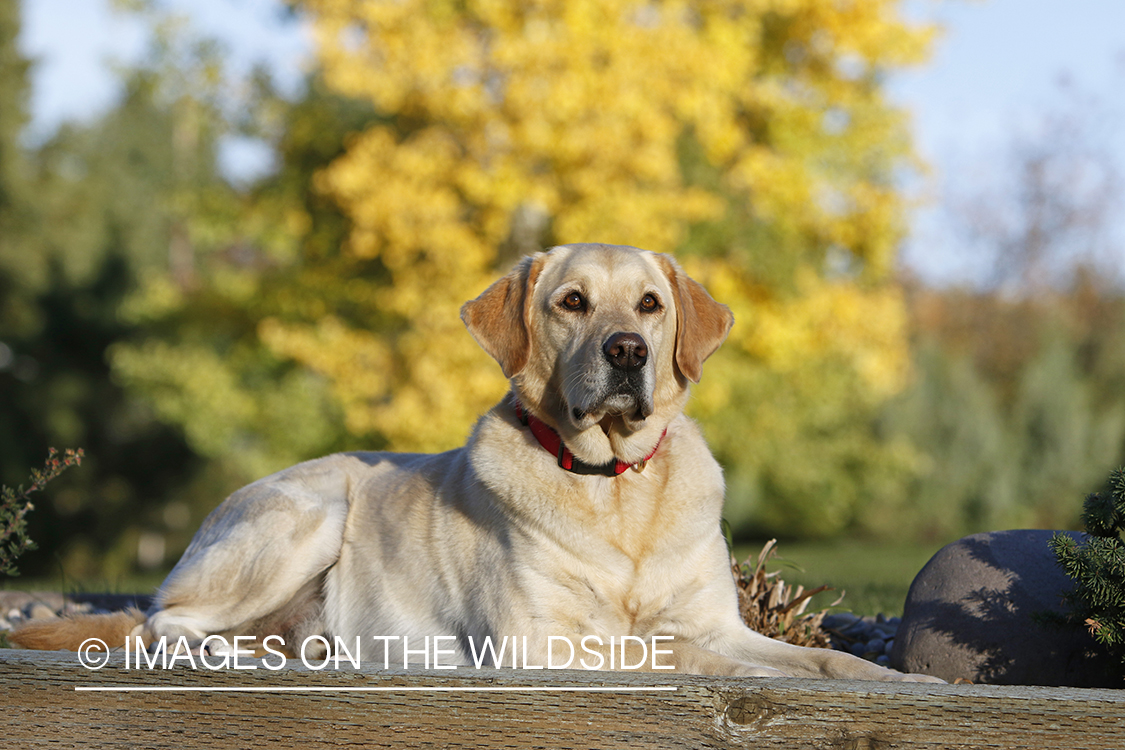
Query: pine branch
[{"x": 1097, "y": 565}]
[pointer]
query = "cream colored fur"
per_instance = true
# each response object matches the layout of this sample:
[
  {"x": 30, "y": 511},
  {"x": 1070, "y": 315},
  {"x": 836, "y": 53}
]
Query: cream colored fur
[{"x": 494, "y": 538}]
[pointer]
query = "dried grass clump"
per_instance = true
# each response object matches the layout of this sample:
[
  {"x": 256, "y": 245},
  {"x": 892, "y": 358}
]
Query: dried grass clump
[{"x": 774, "y": 608}]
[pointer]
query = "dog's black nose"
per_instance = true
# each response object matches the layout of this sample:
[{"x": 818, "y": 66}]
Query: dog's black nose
[{"x": 626, "y": 351}]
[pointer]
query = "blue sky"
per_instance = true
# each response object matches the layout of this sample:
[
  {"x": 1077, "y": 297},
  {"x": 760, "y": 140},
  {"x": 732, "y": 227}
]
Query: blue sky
[
  {"x": 75, "y": 43},
  {"x": 996, "y": 70}
]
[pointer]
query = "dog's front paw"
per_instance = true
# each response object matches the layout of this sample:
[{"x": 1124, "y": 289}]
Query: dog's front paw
[
  {"x": 840, "y": 666},
  {"x": 885, "y": 674},
  {"x": 752, "y": 671},
  {"x": 734, "y": 668},
  {"x": 912, "y": 677}
]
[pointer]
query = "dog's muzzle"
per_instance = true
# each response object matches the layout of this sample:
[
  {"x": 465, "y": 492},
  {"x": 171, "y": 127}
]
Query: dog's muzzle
[
  {"x": 626, "y": 380},
  {"x": 622, "y": 386}
]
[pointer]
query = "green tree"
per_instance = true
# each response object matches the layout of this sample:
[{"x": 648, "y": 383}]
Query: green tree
[
  {"x": 952, "y": 415},
  {"x": 13, "y": 118},
  {"x": 203, "y": 361},
  {"x": 1065, "y": 442},
  {"x": 1014, "y": 405},
  {"x": 99, "y": 202},
  {"x": 13, "y": 168}
]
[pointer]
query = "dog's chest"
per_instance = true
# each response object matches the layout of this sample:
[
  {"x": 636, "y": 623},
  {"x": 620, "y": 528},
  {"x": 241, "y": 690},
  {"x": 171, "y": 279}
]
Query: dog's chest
[
  {"x": 608, "y": 592},
  {"x": 613, "y": 524},
  {"x": 626, "y": 572}
]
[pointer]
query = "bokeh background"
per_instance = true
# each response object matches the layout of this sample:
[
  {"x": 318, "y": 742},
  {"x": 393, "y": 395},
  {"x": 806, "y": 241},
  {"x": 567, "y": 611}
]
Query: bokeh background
[{"x": 235, "y": 234}]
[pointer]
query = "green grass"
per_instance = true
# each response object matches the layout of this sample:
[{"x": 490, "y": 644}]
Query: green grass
[{"x": 874, "y": 576}]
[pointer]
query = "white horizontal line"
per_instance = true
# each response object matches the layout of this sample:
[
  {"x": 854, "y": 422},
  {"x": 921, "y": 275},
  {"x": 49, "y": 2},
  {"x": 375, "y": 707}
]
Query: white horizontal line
[{"x": 320, "y": 689}]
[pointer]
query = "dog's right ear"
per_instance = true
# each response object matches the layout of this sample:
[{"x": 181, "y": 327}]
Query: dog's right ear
[{"x": 498, "y": 318}]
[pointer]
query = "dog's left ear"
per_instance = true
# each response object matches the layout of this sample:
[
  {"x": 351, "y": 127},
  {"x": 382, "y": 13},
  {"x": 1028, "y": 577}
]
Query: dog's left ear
[
  {"x": 498, "y": 317},
  {"x": 701, "y": 323}
]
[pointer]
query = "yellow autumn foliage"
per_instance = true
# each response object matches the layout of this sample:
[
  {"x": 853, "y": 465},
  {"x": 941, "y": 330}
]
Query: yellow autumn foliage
[{"x": 509, "y": 125}]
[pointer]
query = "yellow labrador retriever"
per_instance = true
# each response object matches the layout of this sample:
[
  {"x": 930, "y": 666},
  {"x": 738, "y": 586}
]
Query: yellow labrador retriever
[{"x": 584, "y": 508}]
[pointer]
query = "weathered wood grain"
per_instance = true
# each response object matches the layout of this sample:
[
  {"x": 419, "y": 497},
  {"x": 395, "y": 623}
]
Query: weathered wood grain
[{"x": 521, "y": 709}]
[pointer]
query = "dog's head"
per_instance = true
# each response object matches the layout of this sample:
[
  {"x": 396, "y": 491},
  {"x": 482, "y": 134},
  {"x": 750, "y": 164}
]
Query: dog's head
[{"x": 600, "y": 342}]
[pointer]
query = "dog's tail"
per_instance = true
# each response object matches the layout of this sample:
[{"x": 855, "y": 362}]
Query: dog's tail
[{"x": 69, "y": 632}]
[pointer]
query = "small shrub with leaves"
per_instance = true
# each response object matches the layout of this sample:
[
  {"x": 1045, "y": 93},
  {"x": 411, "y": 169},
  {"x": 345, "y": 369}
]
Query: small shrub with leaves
[
  {"x": 774, "y": 608},
  {"x": 15, "y": 504},
  {"x": 1097, "y": 565}
]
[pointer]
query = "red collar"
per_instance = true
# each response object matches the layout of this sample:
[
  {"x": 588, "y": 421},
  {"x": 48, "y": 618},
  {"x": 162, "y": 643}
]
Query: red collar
[{"x": 553, "y": 444}]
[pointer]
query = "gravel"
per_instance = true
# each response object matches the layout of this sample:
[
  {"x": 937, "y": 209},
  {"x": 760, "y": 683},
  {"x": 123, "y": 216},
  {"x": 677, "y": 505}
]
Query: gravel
[
  {"x": 18, "y": 607},
  {"x": 871, "y": 637}
]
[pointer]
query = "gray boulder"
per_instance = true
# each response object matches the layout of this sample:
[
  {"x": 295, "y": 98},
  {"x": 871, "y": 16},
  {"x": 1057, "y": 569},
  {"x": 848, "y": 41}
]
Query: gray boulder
[{"x": 972, "y": 613}]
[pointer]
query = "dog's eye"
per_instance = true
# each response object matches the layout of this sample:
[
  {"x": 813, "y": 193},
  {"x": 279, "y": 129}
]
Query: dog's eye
[
  {"x": 574, "y": 301},
  {"x": 649, "y": 303}
]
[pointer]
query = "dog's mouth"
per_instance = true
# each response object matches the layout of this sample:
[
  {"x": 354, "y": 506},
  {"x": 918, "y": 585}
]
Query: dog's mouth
[{"x": 631, "y": 409}]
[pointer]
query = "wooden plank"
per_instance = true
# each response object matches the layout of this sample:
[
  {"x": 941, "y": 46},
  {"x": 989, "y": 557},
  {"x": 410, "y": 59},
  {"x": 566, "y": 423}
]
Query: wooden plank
[{"x": 180, "y": 708}]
